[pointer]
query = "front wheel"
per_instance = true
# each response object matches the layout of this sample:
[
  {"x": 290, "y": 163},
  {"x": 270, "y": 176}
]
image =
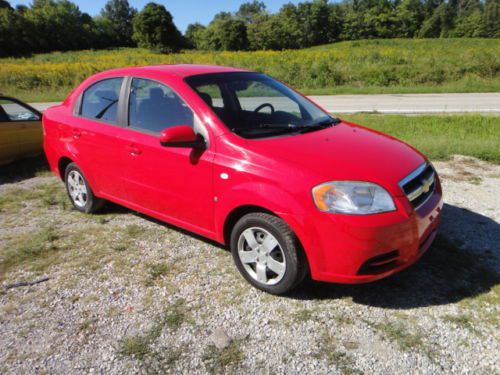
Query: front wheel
[
  {"x": 79, "y": 191},
  {"x": 267, "y": 253}
]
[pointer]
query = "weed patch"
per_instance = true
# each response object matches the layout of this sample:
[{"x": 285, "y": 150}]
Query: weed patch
[
  {"x": 28, "y": 248},
  {"x": 221, "y": 361}
]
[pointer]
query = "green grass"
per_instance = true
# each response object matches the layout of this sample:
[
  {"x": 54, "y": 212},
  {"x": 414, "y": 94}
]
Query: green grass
[
  {"x": 440, "y": 136},
  {"x": 156, "y": 271},
  {"x": 353, "y": 67},
  {"x": 43, "y": 196},
  {"x": 139, "y": 346},
  {"x": 28, "y": 247},
  {"x": 399, "y": 334},
  {"x": 135, "y": 346},
  {"x": 328, "y": 349},
  {"x": 464, "y": 321},
  {"x": 221, "y": 361}
]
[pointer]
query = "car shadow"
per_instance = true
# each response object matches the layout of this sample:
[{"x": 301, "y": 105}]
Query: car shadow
[
  {"x": 463, "y": 262},
  {"x": 113, "y": 208},
  {"x": 23, "y": 169}
]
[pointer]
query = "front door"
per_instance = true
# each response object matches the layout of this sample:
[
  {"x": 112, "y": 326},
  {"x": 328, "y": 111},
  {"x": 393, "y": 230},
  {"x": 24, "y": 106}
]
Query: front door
[
  {"x": 20, "y": 130},
  {"x": 173, "y": 183}
]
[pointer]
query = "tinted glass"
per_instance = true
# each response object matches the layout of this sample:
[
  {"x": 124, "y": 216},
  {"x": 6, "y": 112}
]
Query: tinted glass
[
  {"x": 211, "y": 95},
  {"x": 100, "y": 101},
  {"x": 13, "y": 111},
  {"x": 154, "y": 107},
  {"x": 255, "y": 105}
]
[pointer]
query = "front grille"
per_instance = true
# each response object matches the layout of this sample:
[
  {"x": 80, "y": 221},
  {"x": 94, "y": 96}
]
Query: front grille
[
  {"x": 380, "y": 263},
  {"x": 419, "y": 185}
]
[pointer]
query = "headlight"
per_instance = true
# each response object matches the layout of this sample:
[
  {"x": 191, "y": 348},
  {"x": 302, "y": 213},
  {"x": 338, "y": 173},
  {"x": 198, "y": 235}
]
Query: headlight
[{"x": 352, "y": 197}]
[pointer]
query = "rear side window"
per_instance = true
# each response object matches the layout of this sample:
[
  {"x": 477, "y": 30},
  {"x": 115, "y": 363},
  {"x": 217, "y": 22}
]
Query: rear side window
[
  {"x": 153, "y": 107},
  {"x": 100, "y": 101}
]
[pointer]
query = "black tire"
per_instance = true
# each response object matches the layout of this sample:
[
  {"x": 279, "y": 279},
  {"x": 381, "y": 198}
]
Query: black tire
[
  {"x": 92, "y": 203},
  {"x": 296, "y": 262}
]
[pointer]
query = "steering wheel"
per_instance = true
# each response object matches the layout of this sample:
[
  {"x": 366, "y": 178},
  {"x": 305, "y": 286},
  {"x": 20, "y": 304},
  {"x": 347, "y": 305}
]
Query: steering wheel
[{"x": 264, "y": 105}]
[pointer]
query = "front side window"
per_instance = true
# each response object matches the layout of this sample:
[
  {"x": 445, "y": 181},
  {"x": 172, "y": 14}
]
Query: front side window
[
  {"x": 13, "y": 111},
  {"x": 254, "y": 105},
  {"x": 153, "y": 107},
  {"x": 100, "y": 101}
]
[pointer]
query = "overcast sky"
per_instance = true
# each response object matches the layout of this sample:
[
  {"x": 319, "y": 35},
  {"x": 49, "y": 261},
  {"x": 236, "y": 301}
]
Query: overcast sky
[{"x": 183, "y": 11}]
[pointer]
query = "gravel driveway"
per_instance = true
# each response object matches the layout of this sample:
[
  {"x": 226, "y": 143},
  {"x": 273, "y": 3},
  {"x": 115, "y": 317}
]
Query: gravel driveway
[{"x": 127, "y": 294}]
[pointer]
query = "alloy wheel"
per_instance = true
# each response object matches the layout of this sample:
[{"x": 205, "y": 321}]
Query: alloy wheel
[
  {"x": 261, "y": 256},
  {"x": 77, "y": 188}
]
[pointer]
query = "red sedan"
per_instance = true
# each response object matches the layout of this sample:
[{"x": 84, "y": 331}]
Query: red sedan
[{"x": 242, "y": 159}]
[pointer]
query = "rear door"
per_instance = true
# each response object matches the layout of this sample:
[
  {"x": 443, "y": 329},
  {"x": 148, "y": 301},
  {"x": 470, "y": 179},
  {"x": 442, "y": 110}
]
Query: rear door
[
  {"x": 175, "y": 183},
  {"x": 96, "y": 134}
]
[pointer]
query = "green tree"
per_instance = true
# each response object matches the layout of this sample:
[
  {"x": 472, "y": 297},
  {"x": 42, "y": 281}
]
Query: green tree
[
  {"x": 195, "y": 35},
  {"x": 468, "y": 19},
  {"x": 5, "y": 5},
  {"x": 366, "y": 19},
  {"x": 251, "y": 11},
  {"x": 226, "y": 34},
  {"x": 491, "y": 19},
  {"x": 314, "y": 23},
  {"x": 410, "y": 14},
  {"x": 277, "y": 31},
  {"x": 13, "y": 39},
  {"x": 117, "y": 16},
  {"x": 57, "y": 25},
  {"x": 437, "y": 25},
  {"x": 154, "y": 28},
  {"x": 103, "y": 32}
]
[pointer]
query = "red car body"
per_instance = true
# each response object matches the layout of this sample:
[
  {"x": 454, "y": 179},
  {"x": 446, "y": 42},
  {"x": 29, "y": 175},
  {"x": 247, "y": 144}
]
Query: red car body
[{"x": 206, "y": 192}]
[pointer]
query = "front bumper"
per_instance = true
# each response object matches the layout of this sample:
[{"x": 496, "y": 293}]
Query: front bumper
[{"x": 357, "y": 249}]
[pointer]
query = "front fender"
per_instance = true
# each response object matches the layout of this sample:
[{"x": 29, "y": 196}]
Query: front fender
[{"x": 289, "y": 207}]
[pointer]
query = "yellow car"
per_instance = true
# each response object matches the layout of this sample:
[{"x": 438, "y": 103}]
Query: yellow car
[{"x": 20, "y": 130}]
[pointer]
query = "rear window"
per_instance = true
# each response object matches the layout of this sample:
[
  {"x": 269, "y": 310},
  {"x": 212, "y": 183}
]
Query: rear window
[{"x": 100, "y": 101}]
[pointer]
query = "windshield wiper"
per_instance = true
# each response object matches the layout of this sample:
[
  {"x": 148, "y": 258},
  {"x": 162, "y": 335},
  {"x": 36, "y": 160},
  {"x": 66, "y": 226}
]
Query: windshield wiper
[
  {"x": 292, "y": 128},
  {"x": 277, "y": 126},
  {"x": 266, "y": 126},
  {"x": 321, "y": 125}
]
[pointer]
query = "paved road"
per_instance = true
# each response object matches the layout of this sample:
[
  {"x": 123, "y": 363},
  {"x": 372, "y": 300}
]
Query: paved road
[{"x": 399, "y": 103}]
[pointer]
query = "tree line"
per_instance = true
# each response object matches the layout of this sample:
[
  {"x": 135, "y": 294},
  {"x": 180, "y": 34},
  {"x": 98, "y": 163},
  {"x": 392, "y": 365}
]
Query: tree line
[{"x": 59, "y": 25}]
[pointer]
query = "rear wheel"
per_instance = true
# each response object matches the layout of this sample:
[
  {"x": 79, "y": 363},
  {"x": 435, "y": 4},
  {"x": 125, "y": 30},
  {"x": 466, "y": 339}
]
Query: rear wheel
[
  {"x": 267, "y": 253},
  {"x": 79, "y": 192}
]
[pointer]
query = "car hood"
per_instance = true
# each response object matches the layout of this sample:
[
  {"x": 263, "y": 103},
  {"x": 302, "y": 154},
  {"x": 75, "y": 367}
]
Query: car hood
[{"x": 343, "y": 152}]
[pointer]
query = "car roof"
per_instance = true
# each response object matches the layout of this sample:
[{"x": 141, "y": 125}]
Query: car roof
[{"x": 180, "y": 70}]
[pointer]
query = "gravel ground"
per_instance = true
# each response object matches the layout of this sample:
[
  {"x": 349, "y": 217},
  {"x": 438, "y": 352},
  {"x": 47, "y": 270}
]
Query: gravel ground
[{"x": 127, "y": 294}]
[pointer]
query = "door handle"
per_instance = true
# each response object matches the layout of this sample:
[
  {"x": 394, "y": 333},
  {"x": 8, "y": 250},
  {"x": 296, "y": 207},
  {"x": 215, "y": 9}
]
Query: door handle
[
  {"x": 134, "y": 150},
  {"x": 76, "y": 133}
]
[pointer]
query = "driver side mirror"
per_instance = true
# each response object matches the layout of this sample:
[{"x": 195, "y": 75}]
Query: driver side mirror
[{"x": 182, "y": 136}]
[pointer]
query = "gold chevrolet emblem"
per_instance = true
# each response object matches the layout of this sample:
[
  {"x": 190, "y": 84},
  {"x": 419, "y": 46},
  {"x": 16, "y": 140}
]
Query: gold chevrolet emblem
[{"x": 426, "y": 185}]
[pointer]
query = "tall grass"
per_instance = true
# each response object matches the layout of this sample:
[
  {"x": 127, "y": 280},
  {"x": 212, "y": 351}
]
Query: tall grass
[
  {"x": 397, "y": 65},
  {"x": 440, "y": 136}
]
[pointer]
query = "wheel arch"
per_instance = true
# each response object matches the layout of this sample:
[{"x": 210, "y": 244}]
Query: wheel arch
[
  {"x": 62, "y": 164},
  {"x": 236, "y": 214}
]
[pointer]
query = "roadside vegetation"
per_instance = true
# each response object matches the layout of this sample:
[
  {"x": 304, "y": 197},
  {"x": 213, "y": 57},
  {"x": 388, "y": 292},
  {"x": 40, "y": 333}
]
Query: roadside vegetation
[
  {"x": 440, "y": 136},
  {"x": 368, "y": 66}
]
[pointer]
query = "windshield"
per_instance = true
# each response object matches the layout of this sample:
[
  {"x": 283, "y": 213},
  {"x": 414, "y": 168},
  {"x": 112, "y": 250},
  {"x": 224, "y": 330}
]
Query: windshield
[{"x": 254, "y": 105}]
